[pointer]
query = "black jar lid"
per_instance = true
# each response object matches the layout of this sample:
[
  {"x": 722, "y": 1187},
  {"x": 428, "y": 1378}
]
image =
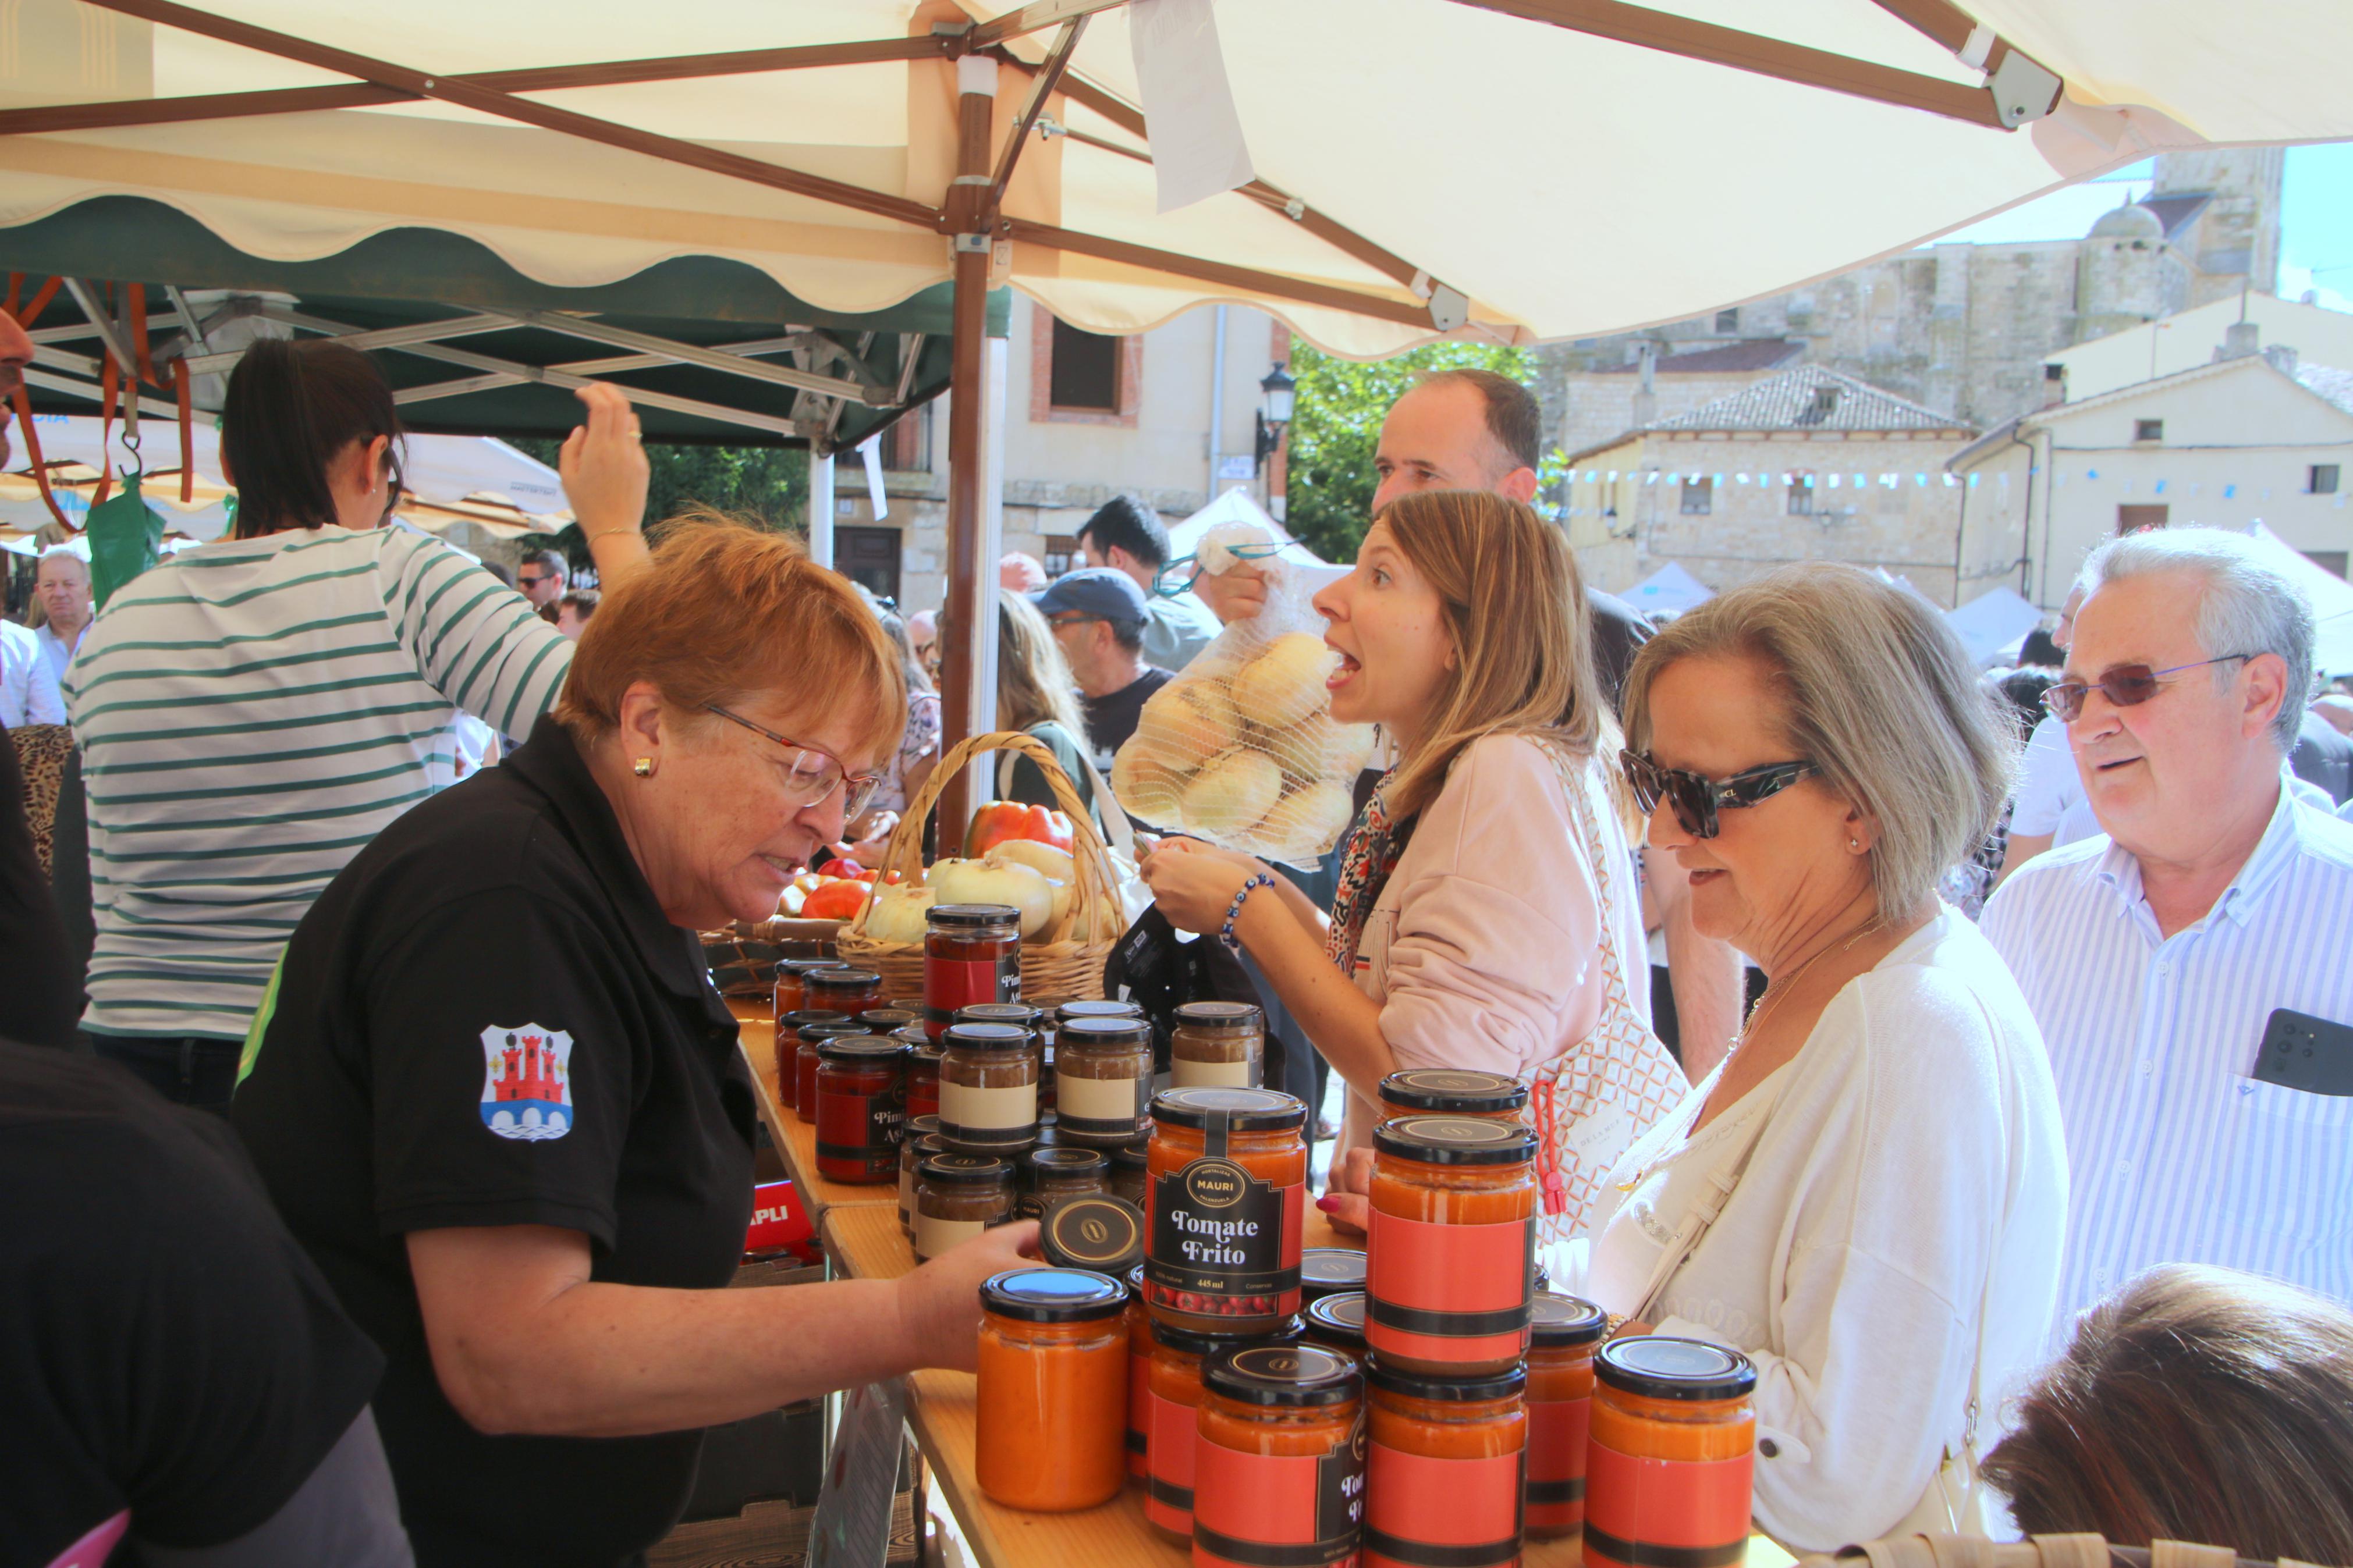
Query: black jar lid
[
  {"x": 843, "y": 979},
  {"x": 965, "y": 1170},
  {"x": 1192, "y": 1342},
  {"x": 1246, "y": 1110},
  {"x": 1288, "y": 1375},
  {"x": 1092, "y": 1231},
  {"x": 1558, "y": 1320},
  {"x": 1221, "y": 1015},
  {"x": 1455, "y": 1141},
  {"x": 803, "y": 966},
  {"x": 925, "y": 1126},
  {"x": 1134, "y": 1156},
  {"x": 920, "y": 1042},
  {"x": 1660, "y": 1366},
  {"x": 1329, "y": 1270},
  {"x": 1020, "y": 1014},
  {"x": 886, "y": 1020},
  {"x": 1092, "y": 1008},
  {"x": 846, "y": 1029},
  {"x": 1053, "y": 1295},
  {"x": 1065, "y": 1160},
  {"x": 986, "y": 1037},
  {"x": 910, "y": 1005},
  {"x": 1503, "y": 1384},
  {"x": 1106, "y": 1029},
  {"x": 872, "y": 1050},
  {"x": 967, "y": 915},
  {"x": 1452, "y": 1091},
  {"x": 1338, "y": 1320},
  {"x": 808, "y": 1017}
]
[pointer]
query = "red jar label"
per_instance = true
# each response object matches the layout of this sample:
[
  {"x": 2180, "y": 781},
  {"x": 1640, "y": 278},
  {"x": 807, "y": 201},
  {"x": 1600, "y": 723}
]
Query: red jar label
[
  {"x": 1448, "y": 1292},
  {"x": 1441, "y": 1513},
  {"x": 1169, "y": 1433},
  {"x": 1557, "y": 1430},
  {"x": 1223, "y": 1243},
  {"x": 952, "y": 982},
  {"x": 1260, "y": 1510},
  {"x": 1697, "y": 1510},
  {"x": 1139, "y": 1390},
  {"x": 858, "y": 1134}
]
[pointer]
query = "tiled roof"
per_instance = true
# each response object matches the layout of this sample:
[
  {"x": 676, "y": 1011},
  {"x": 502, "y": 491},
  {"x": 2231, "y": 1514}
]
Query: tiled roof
[
  {"x": 1809, "y": 398},
  {"x": 2333, "y": 386},
  {"x": 1750, "y": 353}
]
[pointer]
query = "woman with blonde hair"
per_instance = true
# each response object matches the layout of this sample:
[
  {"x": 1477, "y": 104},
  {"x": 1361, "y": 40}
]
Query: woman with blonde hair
[
  {"x": 1486, "y": 916},
  {"x": 1038, "y": 695}
]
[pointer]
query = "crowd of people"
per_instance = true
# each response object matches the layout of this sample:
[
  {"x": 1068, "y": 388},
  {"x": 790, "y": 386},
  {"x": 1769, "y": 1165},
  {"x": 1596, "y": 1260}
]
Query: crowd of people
[{"x": 2030, "y": 1193}]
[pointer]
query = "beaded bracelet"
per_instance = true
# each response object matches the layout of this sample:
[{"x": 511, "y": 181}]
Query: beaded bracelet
[{"x": 1234, "y": 913}]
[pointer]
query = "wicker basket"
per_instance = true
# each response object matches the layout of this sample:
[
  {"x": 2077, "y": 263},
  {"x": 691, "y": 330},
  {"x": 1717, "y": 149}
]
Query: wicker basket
[{"x": 1052, "y": 971}]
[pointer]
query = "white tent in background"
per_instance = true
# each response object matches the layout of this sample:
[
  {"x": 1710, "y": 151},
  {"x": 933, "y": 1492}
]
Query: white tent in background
[
  {"x": 1235, "y": 506},
  {"x": 1670, "y": 590},
  {"x": 2331, "y": 597},
  {"x": 1993, "y": 621}
]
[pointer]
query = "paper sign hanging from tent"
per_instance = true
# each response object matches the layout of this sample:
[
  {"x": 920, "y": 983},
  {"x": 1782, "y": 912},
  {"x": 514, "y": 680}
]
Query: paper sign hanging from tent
[{"x": 1188, "y": 105}]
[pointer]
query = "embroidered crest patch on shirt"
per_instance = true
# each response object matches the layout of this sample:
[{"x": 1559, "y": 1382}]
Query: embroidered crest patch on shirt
[{"x": 526, "y": 1081}]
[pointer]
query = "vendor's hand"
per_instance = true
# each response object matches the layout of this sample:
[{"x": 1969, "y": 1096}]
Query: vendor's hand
[
  {"x": 939, "y": 1303},
  {"x": 1343, "y": 1202},
  {"x": 1234, "y": 594},
  {"x": 1193, "y": 883},
  {"x": 604, "y": 465}
]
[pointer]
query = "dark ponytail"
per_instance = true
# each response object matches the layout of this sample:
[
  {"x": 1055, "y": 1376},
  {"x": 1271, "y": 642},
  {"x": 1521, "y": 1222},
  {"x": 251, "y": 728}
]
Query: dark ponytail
[{"x": 291, "y": 407}]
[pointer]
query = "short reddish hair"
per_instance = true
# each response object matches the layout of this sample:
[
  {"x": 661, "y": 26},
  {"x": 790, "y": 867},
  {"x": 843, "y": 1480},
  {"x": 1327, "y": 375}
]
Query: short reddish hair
[{"x": 726, "y": 611}]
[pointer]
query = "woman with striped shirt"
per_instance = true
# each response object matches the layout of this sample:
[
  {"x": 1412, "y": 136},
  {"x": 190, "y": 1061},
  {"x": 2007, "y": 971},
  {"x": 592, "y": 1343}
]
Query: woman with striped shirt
[{"x": 252, "y": 712}]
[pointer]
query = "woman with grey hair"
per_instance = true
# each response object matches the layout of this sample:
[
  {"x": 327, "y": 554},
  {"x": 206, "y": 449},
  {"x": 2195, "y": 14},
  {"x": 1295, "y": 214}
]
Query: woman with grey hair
[{"x": 1866, "y": 1197}]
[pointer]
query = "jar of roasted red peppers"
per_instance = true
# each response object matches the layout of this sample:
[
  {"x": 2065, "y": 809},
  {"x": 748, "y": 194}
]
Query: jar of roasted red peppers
[
  {"x": 972, "y": 954},
  {"x": 861, "y": 1101}
]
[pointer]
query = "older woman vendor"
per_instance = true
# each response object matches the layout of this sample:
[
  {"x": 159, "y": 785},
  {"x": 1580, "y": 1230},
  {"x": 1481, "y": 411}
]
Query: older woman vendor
[{"x": 498, "y": 1099}]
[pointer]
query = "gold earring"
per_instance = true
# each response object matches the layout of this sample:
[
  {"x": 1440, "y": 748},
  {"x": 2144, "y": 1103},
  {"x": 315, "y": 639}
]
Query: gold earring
[{"x": 643, "y": 767}]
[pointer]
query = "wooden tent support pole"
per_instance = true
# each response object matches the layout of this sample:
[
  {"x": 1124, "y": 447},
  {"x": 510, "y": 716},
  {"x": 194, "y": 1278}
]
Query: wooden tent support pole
[{"x": 965, "y": 711}]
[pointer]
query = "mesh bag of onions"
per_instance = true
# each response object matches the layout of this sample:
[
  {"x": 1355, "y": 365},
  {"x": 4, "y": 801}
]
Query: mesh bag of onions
[{"x": 1241, "y": 749}]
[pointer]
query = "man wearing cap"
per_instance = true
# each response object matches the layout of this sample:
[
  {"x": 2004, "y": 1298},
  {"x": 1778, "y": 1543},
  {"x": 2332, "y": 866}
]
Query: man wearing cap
[{"x": 1099, "y": 615}]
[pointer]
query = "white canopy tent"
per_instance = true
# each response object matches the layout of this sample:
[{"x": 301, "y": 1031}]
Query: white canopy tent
[
  {"x": 2331, "y": 597},
  {"x": 1993, "y": 621},
  {"x": 1670, "y": 590}
]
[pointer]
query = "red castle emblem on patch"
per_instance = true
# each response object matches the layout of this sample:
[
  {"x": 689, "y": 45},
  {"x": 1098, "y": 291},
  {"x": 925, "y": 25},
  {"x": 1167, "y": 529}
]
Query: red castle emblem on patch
[{"x": 527, "y": 1083}]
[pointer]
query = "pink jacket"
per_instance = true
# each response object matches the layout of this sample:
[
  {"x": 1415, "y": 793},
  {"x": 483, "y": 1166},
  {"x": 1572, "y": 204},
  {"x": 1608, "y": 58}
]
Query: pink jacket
[{"x": 1483, "y": 949}]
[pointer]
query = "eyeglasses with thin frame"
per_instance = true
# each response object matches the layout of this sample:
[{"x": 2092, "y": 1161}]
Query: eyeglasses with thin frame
[
  {"x": 1697, "y": 799},
  {"x": 2126, "y": 685},
  {"x": 811, "y": 774}
]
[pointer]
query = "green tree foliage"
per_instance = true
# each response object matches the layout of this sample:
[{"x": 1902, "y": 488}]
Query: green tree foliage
[
  {"x": 766, "y": 485},
  {"x": 1336, "y": 425}
]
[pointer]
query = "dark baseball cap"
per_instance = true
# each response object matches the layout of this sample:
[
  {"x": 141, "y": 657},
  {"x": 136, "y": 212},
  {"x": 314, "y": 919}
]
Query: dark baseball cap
[{"x": 1104, "y": 593}]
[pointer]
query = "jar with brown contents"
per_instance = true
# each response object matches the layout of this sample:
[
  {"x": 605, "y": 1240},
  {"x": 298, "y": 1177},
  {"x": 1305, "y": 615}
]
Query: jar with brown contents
[
  {"x": 1102, "y": 1068},
  {"x": 988, "y": 1087},
  {"x": 919, "y": 1139},
  {"x": 1130, "y": 1176},
  {"x": 1019, "y": 1015},
  {"x": 1055, "y": 1173},
  {"x": 971, "y": 953},
  {"x": 1216, "y": 1045},
  {"x": 1453, "y": 1091},
  {"x": 788, "y": 1050},
  {"x": 790, "y": 973},
  {"x": 958, "y": 1196}
]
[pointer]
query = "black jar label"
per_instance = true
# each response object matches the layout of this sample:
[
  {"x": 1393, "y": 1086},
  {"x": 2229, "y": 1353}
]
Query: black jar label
[{"x": 1223, "y": 1242}]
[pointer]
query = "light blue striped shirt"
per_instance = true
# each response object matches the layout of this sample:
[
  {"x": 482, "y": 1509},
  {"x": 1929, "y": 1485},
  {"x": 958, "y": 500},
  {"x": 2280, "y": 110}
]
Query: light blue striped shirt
[{"x": 2176, "y": 1154}]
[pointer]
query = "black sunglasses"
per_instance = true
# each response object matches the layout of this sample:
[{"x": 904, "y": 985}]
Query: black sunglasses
[
  {"x": 1697, "y": 800},
  {"x": 2127, "y": 686}
]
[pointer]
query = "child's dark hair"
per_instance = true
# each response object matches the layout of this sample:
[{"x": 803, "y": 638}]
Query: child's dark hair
[{"x": 291, "y": 407}]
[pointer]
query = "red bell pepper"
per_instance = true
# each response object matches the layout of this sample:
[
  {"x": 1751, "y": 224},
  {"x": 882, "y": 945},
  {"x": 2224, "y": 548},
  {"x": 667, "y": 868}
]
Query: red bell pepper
[{"x": 998, "y": 820}]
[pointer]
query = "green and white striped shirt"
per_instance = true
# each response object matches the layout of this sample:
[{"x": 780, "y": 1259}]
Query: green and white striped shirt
[{"x": 250, "y": 713}]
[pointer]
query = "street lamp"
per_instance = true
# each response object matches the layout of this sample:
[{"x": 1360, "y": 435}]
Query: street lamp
[{"x": 1278, "y": 391}]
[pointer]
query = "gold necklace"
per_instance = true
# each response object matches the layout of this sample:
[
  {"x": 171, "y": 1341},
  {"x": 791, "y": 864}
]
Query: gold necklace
[{"x": 1774, "y": 993}]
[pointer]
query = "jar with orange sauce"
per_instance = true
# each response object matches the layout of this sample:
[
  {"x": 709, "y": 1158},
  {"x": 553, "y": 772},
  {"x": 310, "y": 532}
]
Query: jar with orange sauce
[
  {"x": 1172, "y": 1396},
  {"x": 1227, "y": 1173},
  {"x": 1050, "y": 1403},
  {"x": 1563, "y": 1331},
  {"x": 805, "y": 1063},
  {"x": 1450, "y": 1245},
  {"x": 1453, "y": 1091},
  {"x": 1444, "y": 1472},
  {"x": 1672, "y": 1453},
  {"x": 1139, "y": 1373},
  {"x": 789, "y": 1049},
  {"x": 1279, "y": 1458},
  {"x": 790, "y": 973},
  {"x": 1337, "y": 1322}
]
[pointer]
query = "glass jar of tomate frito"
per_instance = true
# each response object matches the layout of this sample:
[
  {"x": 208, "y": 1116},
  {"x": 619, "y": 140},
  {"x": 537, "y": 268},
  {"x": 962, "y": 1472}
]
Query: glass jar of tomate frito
[
  {"x": 1442, "y": 1481},
  {"x": 988, "y": 1087},
  {"x": 1671, "y": 1454},
  {"x": 1139, "y": 1368},
  {"x": 790, "y": 973},
  {"x": 1278, "y": 1458},
  {"x": 789, "y": 1049},
  {"x": 1102, "y": 1069},
  {"x": 919, "y": 1139},
  {"x": 1216, "y": 1045},
  {"x": 1562, "y": 1333},
  {"x": 843, "y": 990},
  {"x": 1172, "y": 1396},
  {"x": 1453, "y": 1091},
  {"x": 860, "y": 1102},
  {"x": 1450, "y": 1245},
  {"x": 805, "y": 1064},
  {"x": 1227, "y": 1173},
  {"x": 971, "y": 953}
]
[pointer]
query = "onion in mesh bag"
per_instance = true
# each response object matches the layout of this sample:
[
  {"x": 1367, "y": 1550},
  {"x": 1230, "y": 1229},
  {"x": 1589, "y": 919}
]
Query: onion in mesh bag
[{"x": 1233, "y": 791}]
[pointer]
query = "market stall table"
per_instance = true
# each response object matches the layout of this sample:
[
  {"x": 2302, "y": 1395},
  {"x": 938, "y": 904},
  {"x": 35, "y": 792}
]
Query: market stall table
[{"x": 795, "y": 1139}]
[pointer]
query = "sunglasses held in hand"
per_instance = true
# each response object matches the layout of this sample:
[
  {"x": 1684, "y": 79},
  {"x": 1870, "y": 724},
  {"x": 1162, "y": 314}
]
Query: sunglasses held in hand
[
  {"x": 2126, "y": 685},
  {"x": 1697, "y": 800}
]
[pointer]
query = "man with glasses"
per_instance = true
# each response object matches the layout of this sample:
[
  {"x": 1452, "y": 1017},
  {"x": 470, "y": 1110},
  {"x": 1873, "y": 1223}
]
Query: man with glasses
[
  {"x": 1098, "y": 615},
  {"x": 2163, "y": 958},
  {"x": 542, "y": 577}
]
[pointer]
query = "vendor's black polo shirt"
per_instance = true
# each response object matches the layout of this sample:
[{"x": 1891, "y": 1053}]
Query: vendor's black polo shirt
[{"x": 485, "y": 1021}]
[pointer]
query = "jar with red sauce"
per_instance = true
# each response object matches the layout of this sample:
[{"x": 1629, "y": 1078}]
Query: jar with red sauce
[
  {"x": 1562, "y": 1333},
  {"x": 860, "y": 1102},
  {"x": 1450, "y": 1245},
  {"x": 1671, "y": 1455},
  {"x": 843, "y": 990},
  {"x": 1172, "y": 1398},
  {"x": 1445, "y": 1471},
  {"x": 1228, "y": 1175},
  {"x": 1139, "y": 1370},
  {"x": 805, "y": 1064},
  {"x": 923, "y": 1070},
  {"x": 1453, "y": 1091},
  {"x": 1279, "y": 1458},
  {"x": 790, "y": 973},
  {"x": 789, "y": 1049},
  {"x": 972, "y": 954},
  {"x": 1051, "y": 1399}
]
